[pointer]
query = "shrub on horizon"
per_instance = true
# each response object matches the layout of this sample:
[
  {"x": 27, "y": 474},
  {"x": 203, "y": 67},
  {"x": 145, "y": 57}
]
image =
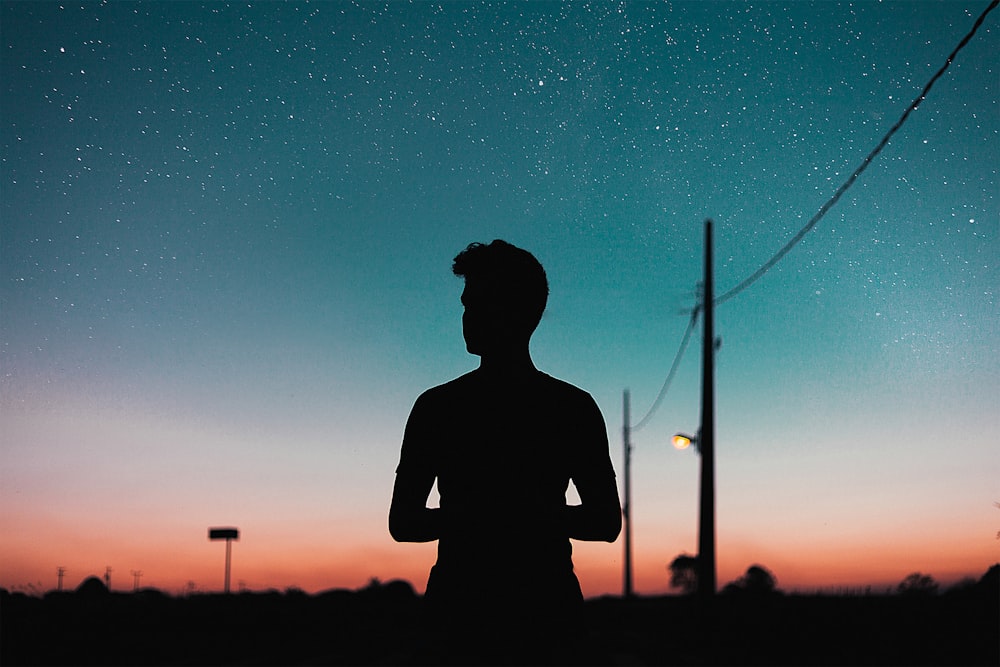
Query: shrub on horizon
[{"x": 917, "y": 584}]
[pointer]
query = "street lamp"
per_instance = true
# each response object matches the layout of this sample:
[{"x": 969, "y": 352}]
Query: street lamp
[{"x": 682, "y": 441}]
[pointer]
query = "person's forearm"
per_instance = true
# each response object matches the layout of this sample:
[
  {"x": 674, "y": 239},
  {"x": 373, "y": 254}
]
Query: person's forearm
[{"x": 421, "y": 525}]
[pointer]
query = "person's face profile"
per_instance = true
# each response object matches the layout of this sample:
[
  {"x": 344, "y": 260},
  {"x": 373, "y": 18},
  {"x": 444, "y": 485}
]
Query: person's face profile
[
  {"x": 483, "y": 322},
  {"x": 473, "y": 324}
]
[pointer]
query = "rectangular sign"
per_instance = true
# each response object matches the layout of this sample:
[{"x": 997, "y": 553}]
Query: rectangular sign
[{"x": 223, "y": 534}]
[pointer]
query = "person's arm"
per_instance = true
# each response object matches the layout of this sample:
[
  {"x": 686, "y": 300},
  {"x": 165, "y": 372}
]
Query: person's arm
[
  {"x": 410, "y": 520},
  {"x": 598, "y": 517}
]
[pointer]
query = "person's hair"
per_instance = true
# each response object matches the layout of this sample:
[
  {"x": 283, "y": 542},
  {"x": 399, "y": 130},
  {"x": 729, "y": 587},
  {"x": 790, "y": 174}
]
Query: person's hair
[{"x": 509, "y": 274}]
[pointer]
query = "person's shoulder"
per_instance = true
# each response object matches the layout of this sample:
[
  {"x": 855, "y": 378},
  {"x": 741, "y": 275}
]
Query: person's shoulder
[
  {"x": 447, "y": 390},
  {"x": 562, "y": 387},
  {"x": 575, "y": 409}
]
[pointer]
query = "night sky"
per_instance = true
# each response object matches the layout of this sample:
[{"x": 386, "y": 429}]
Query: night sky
[{"x": 226, "y": 233}]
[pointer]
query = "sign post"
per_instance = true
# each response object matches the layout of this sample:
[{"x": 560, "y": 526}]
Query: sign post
[{"x": 227, "y": 534}]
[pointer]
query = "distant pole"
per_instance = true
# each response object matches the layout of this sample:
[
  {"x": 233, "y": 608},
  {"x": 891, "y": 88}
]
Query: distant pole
[
  {"x": 136, "y": 576},
  {"x": 627, "y": 504},
  {"x": 706, "y": 441},
  {"x": 107, "y": 577},
  {"x": 60, "y": 571}
]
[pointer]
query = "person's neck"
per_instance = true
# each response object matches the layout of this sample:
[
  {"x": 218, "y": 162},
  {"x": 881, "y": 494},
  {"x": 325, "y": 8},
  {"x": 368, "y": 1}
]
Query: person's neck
[{"x": 507, "y": 362}]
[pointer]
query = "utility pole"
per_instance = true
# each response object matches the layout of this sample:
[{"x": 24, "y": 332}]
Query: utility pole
[
  {"x": 627, "y": 504},
  {"x": 136, "y": 575},
  {"x": 107, "y": 577},
  {"x": 60, "y": 571},
  {"x": 706, "y": 441}
]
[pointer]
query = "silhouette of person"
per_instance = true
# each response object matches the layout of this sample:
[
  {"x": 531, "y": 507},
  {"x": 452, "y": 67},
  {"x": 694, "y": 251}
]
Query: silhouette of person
[{"x": 503, "y": 442}]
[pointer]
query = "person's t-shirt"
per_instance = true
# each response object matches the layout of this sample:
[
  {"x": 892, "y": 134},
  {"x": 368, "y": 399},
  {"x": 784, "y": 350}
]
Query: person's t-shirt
[{"x": 503, "y": 451}]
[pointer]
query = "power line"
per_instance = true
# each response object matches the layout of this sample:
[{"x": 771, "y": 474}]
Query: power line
[
  {"x": 673, "y": 370},
  {"x": 857, "y": 172},
  {"x": 815, "y": 219}
]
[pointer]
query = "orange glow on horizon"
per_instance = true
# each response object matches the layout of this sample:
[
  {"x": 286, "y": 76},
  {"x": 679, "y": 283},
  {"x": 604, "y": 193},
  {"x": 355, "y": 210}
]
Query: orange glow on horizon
[
  {"x": 599, "y": 569},
  {"x": 178, "y": 557}
]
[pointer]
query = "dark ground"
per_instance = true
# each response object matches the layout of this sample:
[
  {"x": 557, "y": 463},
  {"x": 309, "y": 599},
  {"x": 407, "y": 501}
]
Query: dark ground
[{"x": 381, "y": 625}]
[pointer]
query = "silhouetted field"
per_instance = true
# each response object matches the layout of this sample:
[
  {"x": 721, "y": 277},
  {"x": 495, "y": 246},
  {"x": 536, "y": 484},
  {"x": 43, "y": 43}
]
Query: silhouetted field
[{"x": 384, "y": 624}]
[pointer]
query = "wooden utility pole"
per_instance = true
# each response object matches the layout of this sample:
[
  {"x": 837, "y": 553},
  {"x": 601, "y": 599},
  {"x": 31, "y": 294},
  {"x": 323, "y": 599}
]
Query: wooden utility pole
[
  {"x": 706, "y": 440},
  {"x": 627, "y": 504}
]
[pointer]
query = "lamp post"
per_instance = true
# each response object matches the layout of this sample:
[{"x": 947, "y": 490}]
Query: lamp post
[{"x": 704, "y": 442}]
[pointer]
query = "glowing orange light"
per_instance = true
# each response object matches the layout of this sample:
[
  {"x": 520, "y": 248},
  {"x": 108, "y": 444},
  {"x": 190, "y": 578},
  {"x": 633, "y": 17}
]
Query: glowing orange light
[{"x": 681, "y": 441}]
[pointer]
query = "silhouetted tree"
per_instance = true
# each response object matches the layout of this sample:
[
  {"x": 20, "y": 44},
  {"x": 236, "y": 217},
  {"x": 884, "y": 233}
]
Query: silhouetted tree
[
  {"x": 396, "y": 590},
  {"x": 917, "y": 584},
  {"x": 684, "y": 573},
  {"x": 92, "y": 586},
  {"x": 399, "y": 589},
  {"x": 757, "y": 580}
]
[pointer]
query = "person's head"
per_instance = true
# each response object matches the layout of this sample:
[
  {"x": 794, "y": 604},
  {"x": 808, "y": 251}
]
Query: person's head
[{"x": 504, "y": 298}]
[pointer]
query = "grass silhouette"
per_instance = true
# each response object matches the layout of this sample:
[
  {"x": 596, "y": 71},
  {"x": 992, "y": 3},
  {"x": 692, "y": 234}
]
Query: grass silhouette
[{"x": 384, "y": 624}]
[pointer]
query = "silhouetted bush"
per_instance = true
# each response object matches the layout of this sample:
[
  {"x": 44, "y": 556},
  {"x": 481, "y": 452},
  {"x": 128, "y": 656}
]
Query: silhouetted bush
[
  {"x": 757, "y": 580},
  {"x": 684, "y": 573},
  {"x": 92, "y": 586},
  {"x": 917, "y": 584}
]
